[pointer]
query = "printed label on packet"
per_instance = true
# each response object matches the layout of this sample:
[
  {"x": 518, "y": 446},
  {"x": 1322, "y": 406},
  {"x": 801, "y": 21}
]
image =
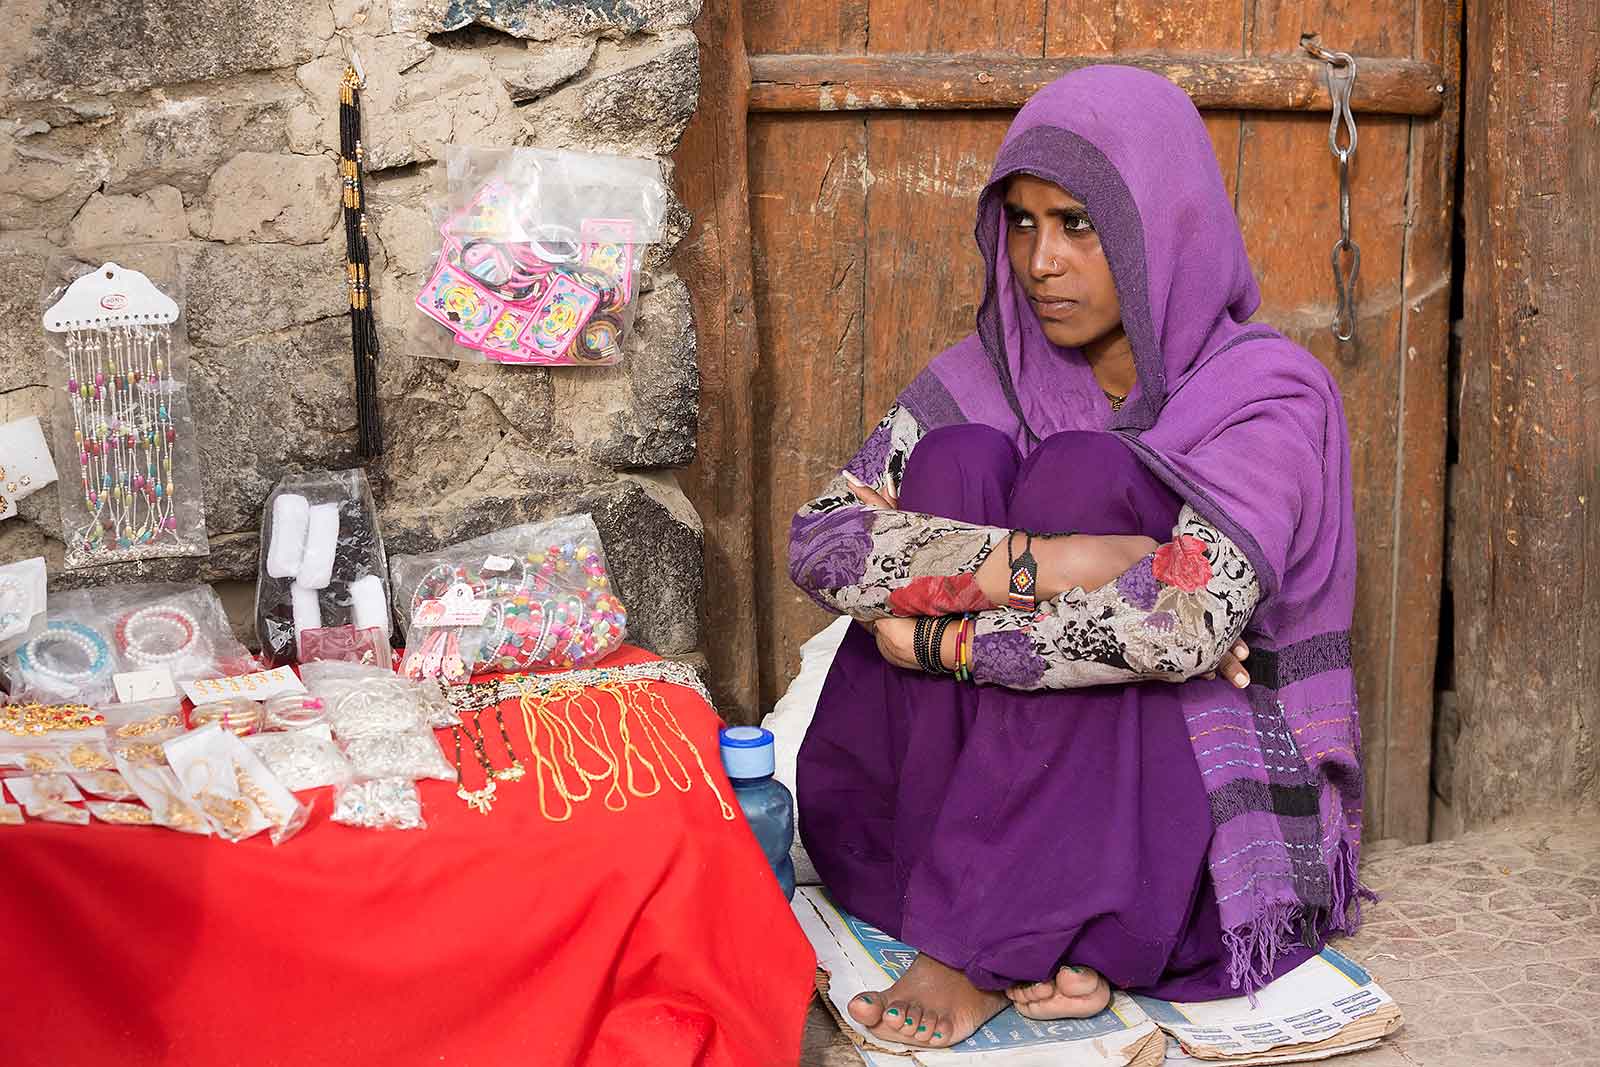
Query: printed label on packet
[
  {"x": 154, "y": 684},
  {"x": 455, "y": 608},
  {"x": 498, "y": 564},
  {"x": 262, "y": 685}
]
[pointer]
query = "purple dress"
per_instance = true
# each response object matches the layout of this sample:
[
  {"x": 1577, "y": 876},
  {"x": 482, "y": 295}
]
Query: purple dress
[
  {"x": 1006, "y": 832},
  {"x": 1091, "y": 799}
]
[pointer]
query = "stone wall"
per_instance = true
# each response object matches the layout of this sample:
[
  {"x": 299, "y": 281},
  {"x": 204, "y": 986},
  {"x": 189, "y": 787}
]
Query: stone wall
[{"x": 211, "y": 126}]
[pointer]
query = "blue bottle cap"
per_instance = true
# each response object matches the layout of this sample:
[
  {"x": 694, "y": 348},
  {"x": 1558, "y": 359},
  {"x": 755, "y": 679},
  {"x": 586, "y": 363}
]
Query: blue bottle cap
[{"x": 747, "y": 752}]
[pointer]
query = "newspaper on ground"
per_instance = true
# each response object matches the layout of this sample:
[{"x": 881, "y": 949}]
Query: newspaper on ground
[{"x": 1326, "y": 1006}]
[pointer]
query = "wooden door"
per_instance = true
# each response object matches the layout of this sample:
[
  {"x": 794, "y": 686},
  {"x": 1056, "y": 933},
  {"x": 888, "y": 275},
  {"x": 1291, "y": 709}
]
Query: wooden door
[{"x": 848, "y": 140}]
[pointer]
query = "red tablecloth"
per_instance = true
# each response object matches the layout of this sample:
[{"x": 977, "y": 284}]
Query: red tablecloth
[{"x": 654, "y": 936}]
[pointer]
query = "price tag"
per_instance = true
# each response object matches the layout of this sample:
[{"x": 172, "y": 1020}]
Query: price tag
[
  {"x": 456, "y": 608},
  {"x": 134, "y": 686},
  {"x": 262, "y": 685}
]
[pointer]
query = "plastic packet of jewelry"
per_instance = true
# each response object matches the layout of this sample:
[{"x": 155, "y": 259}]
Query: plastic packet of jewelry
[
  {"x": 25, "y": 463},
  {"x": 240, "y": 716},
  {"x": 148, "y": 720},
  {"x": 22, "y": 602},
  {"x": 550, "y": 600},
  {"x": 540, "y": 256},
  {"x": 11, "y": 815},
  {"x": 302, "y": 759},
  {"x": 436, "y": 706},
  {"x": 57, "y": 757},
  {"x": 121, "y": 813},
  {"x": 71, "y": 660},
  {"x": 106, "y": 784},
  {"x": 158, "y": 787},
  {"x": 346, "y": 643},
  {"x": 116, "y": 353},
  {"x": 413, "y": 754},
  {"x": 235, "y": 790},
  {"x": 364, "y": 700},
  {"x": 181, "y": 629},
  {"x": 382, "y": 804},
  {"x": 334, "y": 554},
  {"x": 49, "y": 797},
  {"x": 294, "y": 711}
]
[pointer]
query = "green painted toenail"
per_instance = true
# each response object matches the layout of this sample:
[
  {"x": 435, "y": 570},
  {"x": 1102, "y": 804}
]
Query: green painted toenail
[
  {"x": 921, "y": 1028},
  {"x": 1075, "y": 970},
  {"x": 866, "y": 998},
  {"x": 937, "y": 1034},
  {"x": 893, "y": 1011}
]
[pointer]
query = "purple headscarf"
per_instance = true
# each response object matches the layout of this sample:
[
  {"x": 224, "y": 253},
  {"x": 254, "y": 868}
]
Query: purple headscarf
[{"x": 1247, "y": 427}]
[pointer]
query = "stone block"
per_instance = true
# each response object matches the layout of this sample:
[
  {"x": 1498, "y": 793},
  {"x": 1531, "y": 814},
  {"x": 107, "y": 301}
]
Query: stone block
[
  {"x": 182, "y": 138},
  {"x": 23, "y": 262},
  {"x": 47, "y": 173},
  {"x": 644, "y": 411},
  {"x": 417, "y": 99},
  {"x": 268, "y": 197},
  {"x": 237, "y": 291},
  {"x": 147, "y": 218},
  {"x": 545, "y": 20},
  {"x": 636, "y": 99},
  {"x": 544, "y": 67},
  {"x": 100, "y": 46}
]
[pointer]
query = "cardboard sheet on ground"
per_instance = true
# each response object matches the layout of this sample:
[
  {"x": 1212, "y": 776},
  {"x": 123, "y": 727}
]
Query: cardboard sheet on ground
[{"x": 1326, "y": 1006}]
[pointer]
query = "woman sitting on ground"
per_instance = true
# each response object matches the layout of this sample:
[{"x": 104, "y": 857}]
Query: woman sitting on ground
[{"x": 1100, "y": 491}]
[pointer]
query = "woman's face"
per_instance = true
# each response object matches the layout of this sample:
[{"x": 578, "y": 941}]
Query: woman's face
[{"x": 1056, "y": 256}]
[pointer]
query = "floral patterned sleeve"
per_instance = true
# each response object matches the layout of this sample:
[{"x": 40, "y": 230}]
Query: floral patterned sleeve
[
  {"x": 1169, "y": 617},
  {"x": 871, "y": 562}
]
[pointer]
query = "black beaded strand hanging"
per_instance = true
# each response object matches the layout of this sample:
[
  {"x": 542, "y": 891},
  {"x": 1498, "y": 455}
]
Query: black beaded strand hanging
[{"x": 358, "y": 267}]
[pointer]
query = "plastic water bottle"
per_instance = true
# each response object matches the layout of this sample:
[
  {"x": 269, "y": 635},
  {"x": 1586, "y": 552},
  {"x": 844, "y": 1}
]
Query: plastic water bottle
[{"x": 747, "y": 755}]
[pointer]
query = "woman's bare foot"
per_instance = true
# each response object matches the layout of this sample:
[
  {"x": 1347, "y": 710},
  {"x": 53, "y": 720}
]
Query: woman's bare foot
[
  {"x": 933, "y": 1006},
  {"x": 1076, "y": 993}
]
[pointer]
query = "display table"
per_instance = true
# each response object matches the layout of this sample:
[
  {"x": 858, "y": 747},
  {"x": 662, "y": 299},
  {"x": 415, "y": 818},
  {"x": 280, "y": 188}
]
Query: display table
[{"x": 654, "y": 936}]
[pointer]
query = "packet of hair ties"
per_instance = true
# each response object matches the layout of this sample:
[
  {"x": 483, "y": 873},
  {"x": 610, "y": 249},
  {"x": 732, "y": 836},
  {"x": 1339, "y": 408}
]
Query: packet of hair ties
[
  {"x": 121, "y": 813},
  {"x": 322, "y": 564},
  {"x": 108, "y": 785},
  {"x": 382, "y": 804},
  {"x": 540, "y": 256},
  {"x": 302, "y": 759}
]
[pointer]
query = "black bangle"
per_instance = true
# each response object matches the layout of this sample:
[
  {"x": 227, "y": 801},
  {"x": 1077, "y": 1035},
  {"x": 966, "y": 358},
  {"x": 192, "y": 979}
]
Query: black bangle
[
  {"x": 936, "y": 644},
  {"x": 919, "y": 641}
]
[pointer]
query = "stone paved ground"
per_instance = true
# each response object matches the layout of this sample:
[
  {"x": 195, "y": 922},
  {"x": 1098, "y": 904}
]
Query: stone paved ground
[{"x": 1490, "y": 944}]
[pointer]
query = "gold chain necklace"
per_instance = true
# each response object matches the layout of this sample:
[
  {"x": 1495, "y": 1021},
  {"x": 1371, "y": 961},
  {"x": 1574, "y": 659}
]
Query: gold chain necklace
[{"x": 1116, "y": 401}]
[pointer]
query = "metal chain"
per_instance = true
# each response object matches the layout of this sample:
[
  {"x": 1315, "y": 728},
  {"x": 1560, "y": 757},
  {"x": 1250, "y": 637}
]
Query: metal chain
[{"x": 1346, "y": 257}]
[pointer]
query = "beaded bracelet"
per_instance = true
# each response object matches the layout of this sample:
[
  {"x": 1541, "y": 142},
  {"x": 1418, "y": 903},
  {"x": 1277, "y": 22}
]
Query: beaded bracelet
[
  {"x": 1024, "y": 573},
  {"x": 37, "y": 667},
  {"x": 140, "y": 635}
]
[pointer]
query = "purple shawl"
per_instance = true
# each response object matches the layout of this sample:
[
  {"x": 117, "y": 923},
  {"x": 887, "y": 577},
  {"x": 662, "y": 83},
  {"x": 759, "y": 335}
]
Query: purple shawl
[{"x": 1248, "y": 428}]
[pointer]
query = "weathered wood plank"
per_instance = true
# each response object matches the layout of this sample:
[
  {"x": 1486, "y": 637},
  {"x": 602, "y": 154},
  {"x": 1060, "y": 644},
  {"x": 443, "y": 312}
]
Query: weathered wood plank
[
  {"x": 792, "y": 82},
  {"x": 710, "y": 172},
  {"x": 924, "y": 276},
  {"x": 1288, "y": 208},
  {"x": 808, "y": 211},
  {"x": 1526, "y": 550},
  {"x": 1423, "y": 362}
]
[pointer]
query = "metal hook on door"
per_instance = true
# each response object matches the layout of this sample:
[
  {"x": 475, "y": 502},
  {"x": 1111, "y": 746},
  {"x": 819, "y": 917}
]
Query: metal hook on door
[{"x": 1346, "y": 257}]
